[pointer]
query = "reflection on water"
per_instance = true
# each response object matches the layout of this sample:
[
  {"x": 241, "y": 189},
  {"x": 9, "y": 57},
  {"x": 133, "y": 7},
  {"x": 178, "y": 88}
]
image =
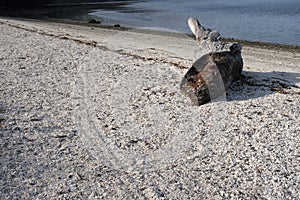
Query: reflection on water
[{"x": 273, "y": 21}]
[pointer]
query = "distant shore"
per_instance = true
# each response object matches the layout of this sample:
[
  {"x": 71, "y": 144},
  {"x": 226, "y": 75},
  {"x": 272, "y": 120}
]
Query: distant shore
[{"x": 59, "y": 11}]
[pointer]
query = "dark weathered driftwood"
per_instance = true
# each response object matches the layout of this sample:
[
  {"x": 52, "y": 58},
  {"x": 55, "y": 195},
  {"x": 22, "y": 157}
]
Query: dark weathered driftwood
[{"x": 219, "y": 65}]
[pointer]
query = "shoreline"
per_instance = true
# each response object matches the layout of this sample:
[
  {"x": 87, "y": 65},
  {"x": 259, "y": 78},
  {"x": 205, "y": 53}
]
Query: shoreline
[
  {"x": 42, "y": 17},
  {"x": 244, "y": 42},
  {"x": 91, "y": 38}
]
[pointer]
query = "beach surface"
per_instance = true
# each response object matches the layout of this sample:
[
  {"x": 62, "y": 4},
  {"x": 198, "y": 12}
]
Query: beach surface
[{"x": 96, "y": 113}]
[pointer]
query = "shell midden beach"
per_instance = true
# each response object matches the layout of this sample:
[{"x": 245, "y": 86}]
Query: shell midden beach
[{"x": 89, "y": 112}]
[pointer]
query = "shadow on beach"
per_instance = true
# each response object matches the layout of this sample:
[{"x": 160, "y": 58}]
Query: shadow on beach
[{"x": 260, "y": 84}]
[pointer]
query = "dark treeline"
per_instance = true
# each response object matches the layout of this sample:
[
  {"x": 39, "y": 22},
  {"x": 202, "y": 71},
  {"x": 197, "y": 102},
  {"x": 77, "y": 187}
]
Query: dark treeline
[
  {"x": 23, "y": 3},
  {"x": 39, "y": 3},
  {"x": 64, "y": 9}
]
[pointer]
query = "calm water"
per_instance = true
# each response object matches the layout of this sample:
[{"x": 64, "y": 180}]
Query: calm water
[{"x": 275, "y": 21}]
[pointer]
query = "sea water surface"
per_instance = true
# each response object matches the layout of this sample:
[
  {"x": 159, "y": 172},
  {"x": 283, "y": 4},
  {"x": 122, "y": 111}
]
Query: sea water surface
[{"x": 274, "y": 21}]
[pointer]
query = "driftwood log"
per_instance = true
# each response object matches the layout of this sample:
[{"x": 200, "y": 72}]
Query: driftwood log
[{"x": 219, "y": 65}]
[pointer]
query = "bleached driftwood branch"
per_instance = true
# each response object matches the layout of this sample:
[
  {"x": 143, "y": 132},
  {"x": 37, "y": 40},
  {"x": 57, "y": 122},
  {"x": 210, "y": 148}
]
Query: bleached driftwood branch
[{"x": 219, "y": 65}]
